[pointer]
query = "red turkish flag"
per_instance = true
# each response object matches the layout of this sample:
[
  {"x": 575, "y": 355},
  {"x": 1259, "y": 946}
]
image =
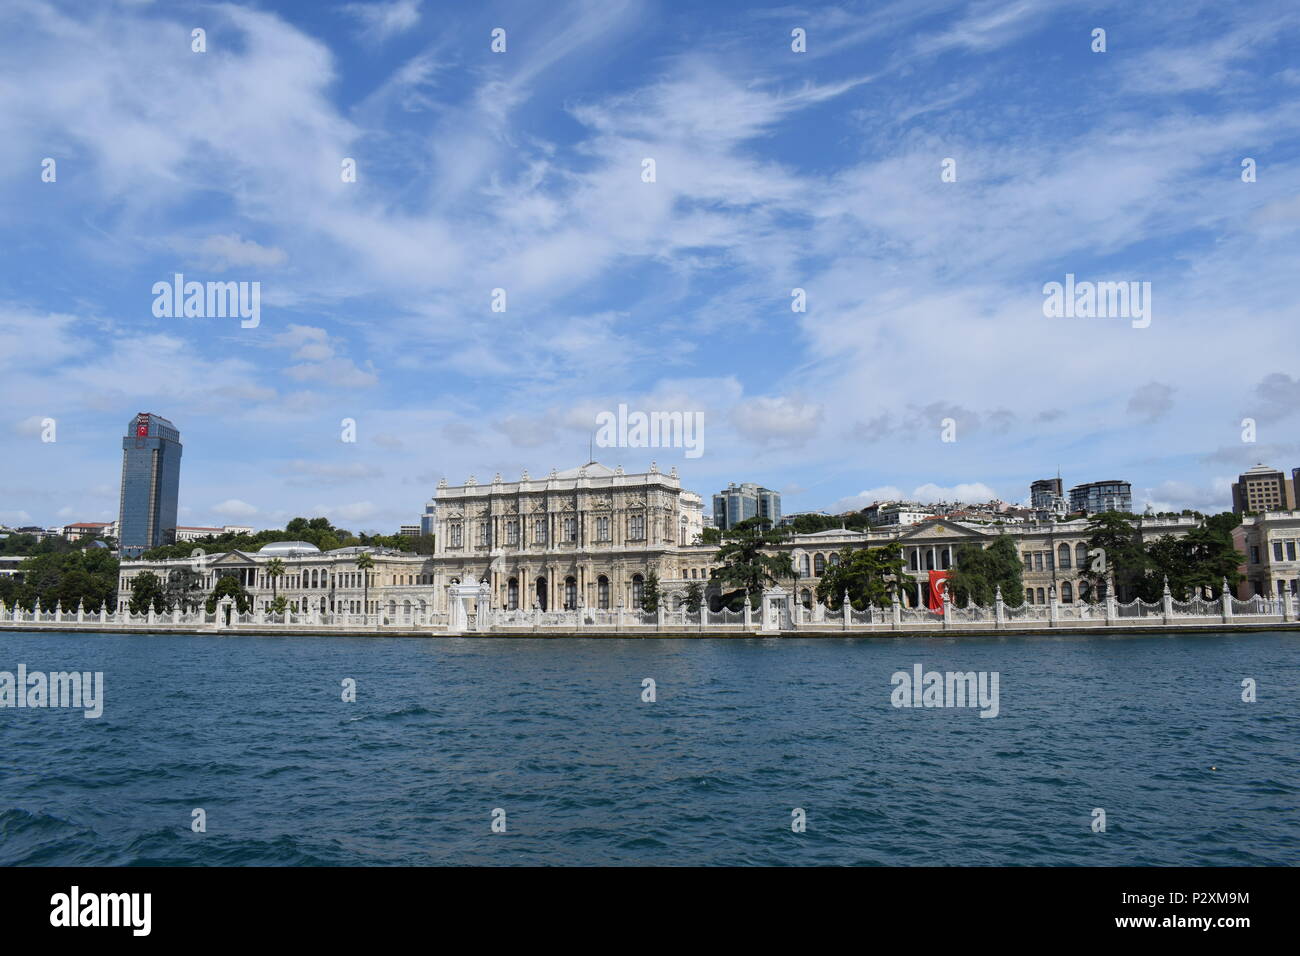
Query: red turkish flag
[{"x": 938, "y": 585}]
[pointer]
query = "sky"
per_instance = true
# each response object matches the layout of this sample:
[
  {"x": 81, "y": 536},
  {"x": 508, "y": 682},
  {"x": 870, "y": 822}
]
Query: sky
[{"x": 525, "y": 171}]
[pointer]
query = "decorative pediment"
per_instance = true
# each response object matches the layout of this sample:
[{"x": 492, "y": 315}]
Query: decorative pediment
[
  {"x": 233, "y": 559},
  {"x": 940, "y": 529}
]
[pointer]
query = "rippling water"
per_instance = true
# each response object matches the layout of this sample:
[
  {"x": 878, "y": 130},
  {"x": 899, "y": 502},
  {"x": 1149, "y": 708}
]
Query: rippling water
[{"x": 254, "y": 731}]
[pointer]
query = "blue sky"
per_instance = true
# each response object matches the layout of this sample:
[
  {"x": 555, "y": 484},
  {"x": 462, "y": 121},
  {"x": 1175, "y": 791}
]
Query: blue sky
[{"x": 521, "y": 170}]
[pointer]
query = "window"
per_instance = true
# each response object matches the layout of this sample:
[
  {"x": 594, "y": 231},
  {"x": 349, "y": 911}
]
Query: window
[
  {"x": 570, "y": 529},
  {"x": 512, "y": 595},
  {"x": 602, "y": 593},
  {"x": 1038, "y": 563},
  {"x": 835, "y": 560},
  {"x": 1067, "y": 591},
  {"x": 1277, "y": 550},
  {"x": 1290, "y": 550},
  {"x": 806, "y": 572},
  {"x": 1042, "y": 596},
  {"x": 484, "y": 534},
  {"x": 1029, "y": 595},
  {"x": 638, "y": 590},
  {"x": 539, "y": 530},
  {"x": 455, "y": 529},
  {"x": 636, "y": 528},
  {"x": 602, "y": 529},
  {"x": 1254, "y": 554},
  {"x": 1063, "y": 557},
  {"x": 1081, "y": 555},
  {"x": 512, "y": 532},
  {"x": 819, "y": 565}
]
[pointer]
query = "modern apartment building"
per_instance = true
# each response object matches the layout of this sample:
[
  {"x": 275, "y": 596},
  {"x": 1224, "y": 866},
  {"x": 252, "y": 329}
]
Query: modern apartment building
[
  {"x": 1264, "y": 489},
  {"x": 1097, "y": 496},
  {"x": 737, "y": 503},
  {"x": 151, "y": 480},
  {"x": 1044, "y": 492}
]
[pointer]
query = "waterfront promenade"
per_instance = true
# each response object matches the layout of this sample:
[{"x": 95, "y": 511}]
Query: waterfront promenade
[{"x": 777, "y": 617}]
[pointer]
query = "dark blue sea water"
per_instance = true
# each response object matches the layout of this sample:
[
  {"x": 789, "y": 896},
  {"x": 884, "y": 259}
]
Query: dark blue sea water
[{"x": 254, "y": 731}]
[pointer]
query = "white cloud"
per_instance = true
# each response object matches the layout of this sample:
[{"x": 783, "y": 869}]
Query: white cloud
[
  {"x": 383, "y": 20},
  {"x": 234, "y": 508}
]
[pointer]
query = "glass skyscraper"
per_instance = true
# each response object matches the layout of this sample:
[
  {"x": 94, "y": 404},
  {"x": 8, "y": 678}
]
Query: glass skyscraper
[
  {"x": 151, "y": 481},
  {"x": 738, "y": 502}
]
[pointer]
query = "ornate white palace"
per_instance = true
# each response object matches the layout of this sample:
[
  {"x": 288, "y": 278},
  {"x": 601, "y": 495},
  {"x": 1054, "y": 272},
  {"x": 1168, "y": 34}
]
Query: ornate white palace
[{"x": 589, "y": 538}]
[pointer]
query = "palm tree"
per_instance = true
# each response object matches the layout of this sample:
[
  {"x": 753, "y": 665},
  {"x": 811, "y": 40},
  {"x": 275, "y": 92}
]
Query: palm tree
[
  {"x": 364, "y": 563},
  {"x": 274, "y": 570}
]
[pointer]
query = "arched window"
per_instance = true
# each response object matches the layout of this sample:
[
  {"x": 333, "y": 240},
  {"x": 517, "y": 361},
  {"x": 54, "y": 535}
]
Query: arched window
[
  {"x": 1081, "y": 556},
  {"x": 570, "y": 593},
  {"x": 1063, "y": 556},
  {"x": 638, "y": 590},
  {"x": 541, "y": 588},
  {"x": 805, "y": 596},
  {"x": 602, "y": 593},
  {"x": 819, "y": 565},
  {"x": 1029, "y": 595},
  {"x": 806, "y": 566},
  {"x": 1042, "y": 596},
  {"x": 1067, "y": 591},
  {"x": 835, "y": 559},
  {"x": 512, "y": 595}
]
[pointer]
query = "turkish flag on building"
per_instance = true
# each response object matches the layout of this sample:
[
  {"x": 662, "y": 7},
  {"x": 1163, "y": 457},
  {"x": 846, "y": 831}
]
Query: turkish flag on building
[{"x": 938, "y": 585}]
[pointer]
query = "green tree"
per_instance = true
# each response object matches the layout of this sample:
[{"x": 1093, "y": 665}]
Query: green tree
[
  {"x": 184, "y": 588},
  {"x": 228, "y": 586},
  {"x": 746, "y": 562},
  {"x": 147, "y": 591},
  {"x": 1122, "y": 555},
  {"x": 694, "y": 596},
  {"x": 650, "y": 593},
  {"x": 364, "y": 564},
  {"x": 978, "y": 572},
  {"x": 274, "y": 571},
  {"x": 279, "y": 605},
  {"x": 869, "y": 575},
  {"x": 711, "y": 536}
]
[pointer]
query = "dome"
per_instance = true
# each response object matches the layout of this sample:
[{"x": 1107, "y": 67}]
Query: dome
[{"x": 288, "y": 547}]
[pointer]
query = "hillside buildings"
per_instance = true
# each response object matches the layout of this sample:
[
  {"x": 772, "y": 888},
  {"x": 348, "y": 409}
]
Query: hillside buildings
[
  {"x": 1097, "y": 496},
  {"x": 1263, "y": 489}
]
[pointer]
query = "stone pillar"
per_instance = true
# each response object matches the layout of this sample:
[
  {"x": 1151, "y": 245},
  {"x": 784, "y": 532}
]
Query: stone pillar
[
  {"x": 749, "y": 617},
  {"x": 58, "y": 612},
  {"x": 659, "y": 616},
  {"x": 1167, "y": 603},
  {"x": 619, "y": 625},
  {"x": 1053, "y": 607},
  {"x": 81, "y": 611},
  {"x": 999, "y": 609},
  {"x": 895, "y": 610},
  {"x": 1227, "y": 602},
  {"x": 947, "y": 608},
  {"x": 848, "y": 610},
  {"x": 1111, "y": 612}
]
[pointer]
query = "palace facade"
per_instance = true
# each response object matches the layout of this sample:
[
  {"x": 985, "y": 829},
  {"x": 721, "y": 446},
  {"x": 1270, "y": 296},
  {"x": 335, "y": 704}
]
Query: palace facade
[{"x": 591, "y": 537}]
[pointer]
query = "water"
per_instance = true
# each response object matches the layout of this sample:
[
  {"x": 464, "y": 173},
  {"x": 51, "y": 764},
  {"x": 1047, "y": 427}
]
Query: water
[{"x": 254, "y": 731}]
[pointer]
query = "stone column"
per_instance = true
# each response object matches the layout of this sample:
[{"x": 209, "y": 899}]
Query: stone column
[
  {"x": 1111, "y": 612},
  {"x": 999, "y": 609},
  {"x": 896, "y": 611},
  {"x": 1227, "y": 602},
  {"x": 848, "y": 611},
  {"x": 749, "y": 616},
  {"x": 1166, "y": 603},
  {"x": 659, "y": 616},
  {"x": 947, "y": 608},
  {"x": 1053, "y": 608}
]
